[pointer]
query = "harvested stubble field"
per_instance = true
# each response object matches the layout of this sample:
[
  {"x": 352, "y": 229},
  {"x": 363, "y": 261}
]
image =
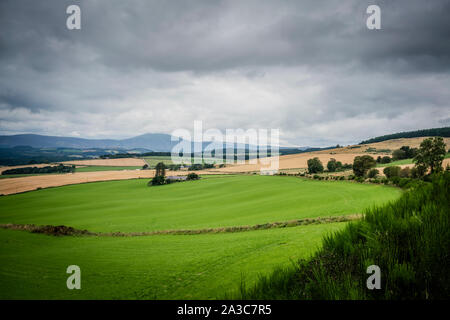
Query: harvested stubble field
[{"x": 122, "y": 162}]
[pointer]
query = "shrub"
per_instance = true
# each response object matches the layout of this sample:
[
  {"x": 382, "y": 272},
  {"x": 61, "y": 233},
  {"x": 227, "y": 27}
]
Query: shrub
[
  {"x": 373, "y": 173},
  {"x": 332, "y": 165},
  {"x": 395, "y": 180},
  {"x": 157, "y": 181},
  {"x": 405, "y": 172},
  {"x": 385, "y": 159},
  {"x": 315, "y": 165},
  {"x": 192, "y": 176},
  {"x": 361, "y": 164},
  {"x": 393, "y": 171},
  {"x": 398, "y": 154}
]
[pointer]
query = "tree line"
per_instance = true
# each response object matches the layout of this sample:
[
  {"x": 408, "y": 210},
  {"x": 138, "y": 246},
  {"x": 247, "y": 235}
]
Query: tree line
[
  {"x": 35, "y": 170},
  {"x": 434, "y": 132}
]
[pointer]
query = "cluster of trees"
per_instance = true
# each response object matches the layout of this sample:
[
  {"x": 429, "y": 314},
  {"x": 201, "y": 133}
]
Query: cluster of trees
[
  {"x": 404, "y": 152},
  {"x": 430, "y": 156},
  {"x": 34, "y": 170},
  {"x": 427, "y": 158},
  {"x": 192, "y": 176},
  {"x": 201, "y": 166},
  {"x": 362, "y": 164},
  {"x": 334, "y": 165},
  {"x": 384, "y": 160},
  {"x": 160, "y": 176},
  {"x": 316, "y": 166}
]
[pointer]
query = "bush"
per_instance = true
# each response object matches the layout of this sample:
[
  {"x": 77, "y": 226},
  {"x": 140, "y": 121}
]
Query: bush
[
  {"x": 395, "y": 180},
  {"x": 393, "y": 171},
  {"x": 315, "y": 165},
  {"x": 332, "y": 165},
  {"x": 373, "y": 173},
  {"x": 405, "y": 172},
  {"x": 157, "y": 181},
  {"x": 192, "y": 176},
  {"x": 361, "y": 164},
  {"x": 385, "y": 160}
]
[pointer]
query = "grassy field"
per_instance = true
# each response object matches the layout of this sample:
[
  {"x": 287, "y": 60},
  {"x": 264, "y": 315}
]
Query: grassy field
[
  {"x": 131, "y": 206},
  {"x": 154, "y": 267},
  {"x": 153, "y": 160},
  {"x": 204, "y": 266},
  {"x": 409, "y": 240},
  {"x": 104, "y": 168}
]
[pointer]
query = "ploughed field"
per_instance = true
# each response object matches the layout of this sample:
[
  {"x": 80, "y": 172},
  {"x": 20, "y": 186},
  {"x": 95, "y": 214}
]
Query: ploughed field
[{"x": 162, "y": 266}]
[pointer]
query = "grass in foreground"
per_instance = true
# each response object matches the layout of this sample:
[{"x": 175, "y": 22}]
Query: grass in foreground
[
  {"x": 131, "y": 206},
  {"x": 153, "y": 267},
  {"x": 409, "y": 240}
]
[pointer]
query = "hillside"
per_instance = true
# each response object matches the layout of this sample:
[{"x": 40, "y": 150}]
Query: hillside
[
  {"x": 433, "y": 132},
  {"x": 150, "y": 141},
  {"x": 344, "y": 154}
]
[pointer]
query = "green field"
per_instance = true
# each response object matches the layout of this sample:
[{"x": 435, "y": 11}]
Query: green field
[
  {"x": 104, "y": 168},
  {"x": 203, "y": 266},
  {"x": 165, "y": 266},
  {"x": 153, "y": 160},
  {"x": 130, "y": 206}
]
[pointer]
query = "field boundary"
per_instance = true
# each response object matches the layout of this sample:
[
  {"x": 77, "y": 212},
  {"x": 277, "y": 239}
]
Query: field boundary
[{"x": 70, "y": 231}]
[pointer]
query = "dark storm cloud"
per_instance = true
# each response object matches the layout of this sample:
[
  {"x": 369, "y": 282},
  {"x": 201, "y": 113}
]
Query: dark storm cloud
[{"x": 307, "y": 67}]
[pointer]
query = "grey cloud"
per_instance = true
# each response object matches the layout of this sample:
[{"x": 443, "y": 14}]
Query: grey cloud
[{"x": 308, "y": 67}]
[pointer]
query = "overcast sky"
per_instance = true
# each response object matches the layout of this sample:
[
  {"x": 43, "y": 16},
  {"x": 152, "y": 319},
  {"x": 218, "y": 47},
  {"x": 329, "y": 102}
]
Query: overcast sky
[{"x": 309, "y": 68}]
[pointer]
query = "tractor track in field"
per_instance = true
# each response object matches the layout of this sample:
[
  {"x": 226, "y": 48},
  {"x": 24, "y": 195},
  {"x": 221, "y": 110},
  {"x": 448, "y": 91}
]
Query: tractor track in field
[{"x": 62, "y": 230}]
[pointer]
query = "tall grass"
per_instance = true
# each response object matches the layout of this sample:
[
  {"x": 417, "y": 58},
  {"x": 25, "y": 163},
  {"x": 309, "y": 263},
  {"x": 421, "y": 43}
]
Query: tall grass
[{"x": 409, "y": 240}]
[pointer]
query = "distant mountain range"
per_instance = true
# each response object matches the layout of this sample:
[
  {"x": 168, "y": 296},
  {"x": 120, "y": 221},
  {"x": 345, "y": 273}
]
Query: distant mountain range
[
  {"x": 149, "y": 141},
  {"x": 157, "y": 142}
]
